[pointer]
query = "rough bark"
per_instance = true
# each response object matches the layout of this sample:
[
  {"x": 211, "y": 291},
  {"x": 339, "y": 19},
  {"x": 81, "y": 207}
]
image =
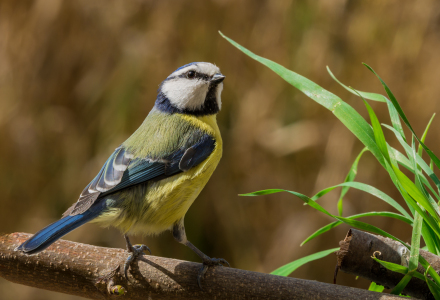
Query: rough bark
[
  {"x": 75, "y": 268},
  {"x": 358, "y": 247}
]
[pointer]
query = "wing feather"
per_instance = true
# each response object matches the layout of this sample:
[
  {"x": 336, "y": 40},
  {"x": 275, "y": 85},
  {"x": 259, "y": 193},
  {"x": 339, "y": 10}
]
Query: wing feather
[{"x": 121, "y": 171}]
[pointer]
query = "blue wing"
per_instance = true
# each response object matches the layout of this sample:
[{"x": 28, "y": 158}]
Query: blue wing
[{"x": 121, "y": 170}]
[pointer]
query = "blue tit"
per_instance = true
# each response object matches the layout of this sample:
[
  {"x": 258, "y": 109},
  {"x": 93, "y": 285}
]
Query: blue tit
[{"x": 149, "y": 182}]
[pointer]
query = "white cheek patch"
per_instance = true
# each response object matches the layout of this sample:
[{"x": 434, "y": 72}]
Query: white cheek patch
[{"x": 185, "y": 93}]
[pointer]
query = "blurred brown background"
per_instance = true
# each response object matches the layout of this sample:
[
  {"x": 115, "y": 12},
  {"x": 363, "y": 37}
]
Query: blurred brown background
[{"x": 78, "y": 77}]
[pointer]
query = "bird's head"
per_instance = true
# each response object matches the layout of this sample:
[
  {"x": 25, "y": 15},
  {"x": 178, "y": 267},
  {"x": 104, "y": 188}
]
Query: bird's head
[{"x": 193, "y": 89}]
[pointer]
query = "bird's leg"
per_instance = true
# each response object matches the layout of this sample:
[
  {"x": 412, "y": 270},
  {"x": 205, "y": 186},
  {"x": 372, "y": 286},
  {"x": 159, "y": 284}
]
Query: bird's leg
[
  {"x": 180, "y": 235},
  {"x": 135, "y": 252}
]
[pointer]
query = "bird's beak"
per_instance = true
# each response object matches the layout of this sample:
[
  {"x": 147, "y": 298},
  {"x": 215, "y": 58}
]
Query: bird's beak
[{"x": 217, "y": 78}]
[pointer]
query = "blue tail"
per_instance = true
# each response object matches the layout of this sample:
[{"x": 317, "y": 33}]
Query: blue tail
[{"x": 50, "y": 234}]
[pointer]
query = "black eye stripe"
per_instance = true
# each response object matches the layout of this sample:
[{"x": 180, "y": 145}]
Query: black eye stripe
[{"x": 196, "y": 76}]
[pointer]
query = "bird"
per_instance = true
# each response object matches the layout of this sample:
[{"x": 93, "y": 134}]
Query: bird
[{"x": 149, "y": 182}]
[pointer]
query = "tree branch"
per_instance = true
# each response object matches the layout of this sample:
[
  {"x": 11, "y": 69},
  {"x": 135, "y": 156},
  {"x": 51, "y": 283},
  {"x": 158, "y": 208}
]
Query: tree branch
[
  {"x": 358, "y": 247},
  {"x": 75, "y": 268}
]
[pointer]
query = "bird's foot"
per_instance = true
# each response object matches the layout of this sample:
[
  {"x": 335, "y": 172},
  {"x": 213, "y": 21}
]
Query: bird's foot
[
  {"x": 209, "y": 262},
  {"x": 135, "y": 252}
]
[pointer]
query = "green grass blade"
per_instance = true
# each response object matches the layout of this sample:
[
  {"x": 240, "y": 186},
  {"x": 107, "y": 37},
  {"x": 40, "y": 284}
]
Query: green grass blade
[
  {"x": 432, "y": 243},
  {"x": 431, "y": 223},
  {"x": 424, "y": 134},
  {"x": 429, "y": 269},
  {"x": 433, "y": 286},
  {"x": 398, "y": 268},
  {"x": 350, "y": 177},
  {"x": 402, "y": 284},
  {"x": 415, "y": 242},
  {"x": 403, "y": 161},
  {"x": 395, "y": 181},
  {"x": 395, "y": 120},
  {"x": 368, "y": 189},
  {"x": 418, "y": 220},
  {"x": 423, "y": 165},
  {"x": 415, "y": 193},
  {"x": 412, "y": 204},
  {"x": 263, "y": 192},
  {"x": 367, "y": 227},
  {"x": 378, "y": 133},
  {"x": 419, "y": 160},
  {"x": 404, "y": 118},
  {"x": 367, "y": 95},
  {"x": 344, "y": 112},
  {"x": 306, "y": 199},
  {"x": 368, "y": 214},
  {"x": 287, "y": 269},
  {"x": 309, "y": 201},
  {"x": 435, "y": 289}
]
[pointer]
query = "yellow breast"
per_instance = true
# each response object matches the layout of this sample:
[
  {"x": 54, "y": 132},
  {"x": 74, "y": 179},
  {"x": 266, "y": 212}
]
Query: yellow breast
[{"x": 156, "y": 206}]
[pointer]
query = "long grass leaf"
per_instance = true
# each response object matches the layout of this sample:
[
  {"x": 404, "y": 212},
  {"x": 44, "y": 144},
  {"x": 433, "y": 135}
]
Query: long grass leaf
[
  {"x": 309, "y": 201},
  {"x": 405, "y": 119},
  {"x": 287, "y": 269},
  {"x": 350, "y": 177},
  {"x": 424, "y": 134},
  {"x": 433, "y": 288},
  {"x": 420, "y": 162},
  {"x": 430, "y": 270},
  {"x": 367, "y": 95},
  {"x": 402, "y": 284},
  {"x": 415, "y": 193},
  {"x": 418, "y": 222},
  {"x": 368, "y": 214},
  {"x": 395, "y": 120},
  {"x": 344, "y": 112},
  {"x": 306, "y": 199},
  {"x": 377, "y": 129},
  {"x": 398, "y": 268},
  {"x": 367, "y": 227},
  {"x": 368, "y": 189},
  {"x": 412, "y": 204},
  {"x": 429, "y": 236},
  {"x": 403, "y": 161},
  {"x": 378, "y": 133}
]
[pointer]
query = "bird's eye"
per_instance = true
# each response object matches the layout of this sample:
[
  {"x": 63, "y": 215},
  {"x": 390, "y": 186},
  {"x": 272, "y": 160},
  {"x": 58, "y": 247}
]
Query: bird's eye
[{"x": 191, "y": 74}]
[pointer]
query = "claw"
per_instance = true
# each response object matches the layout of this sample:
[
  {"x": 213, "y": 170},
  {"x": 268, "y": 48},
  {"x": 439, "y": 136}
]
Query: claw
[
  {"x": 127, "y": 264},
  {"x": 144, "y": 247},
  {"x": 209, "y": 262},
  {"x": 201, "y": 275},
  {"x": 136, "y": 251},
  {"x": 224, "y": 262}
]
